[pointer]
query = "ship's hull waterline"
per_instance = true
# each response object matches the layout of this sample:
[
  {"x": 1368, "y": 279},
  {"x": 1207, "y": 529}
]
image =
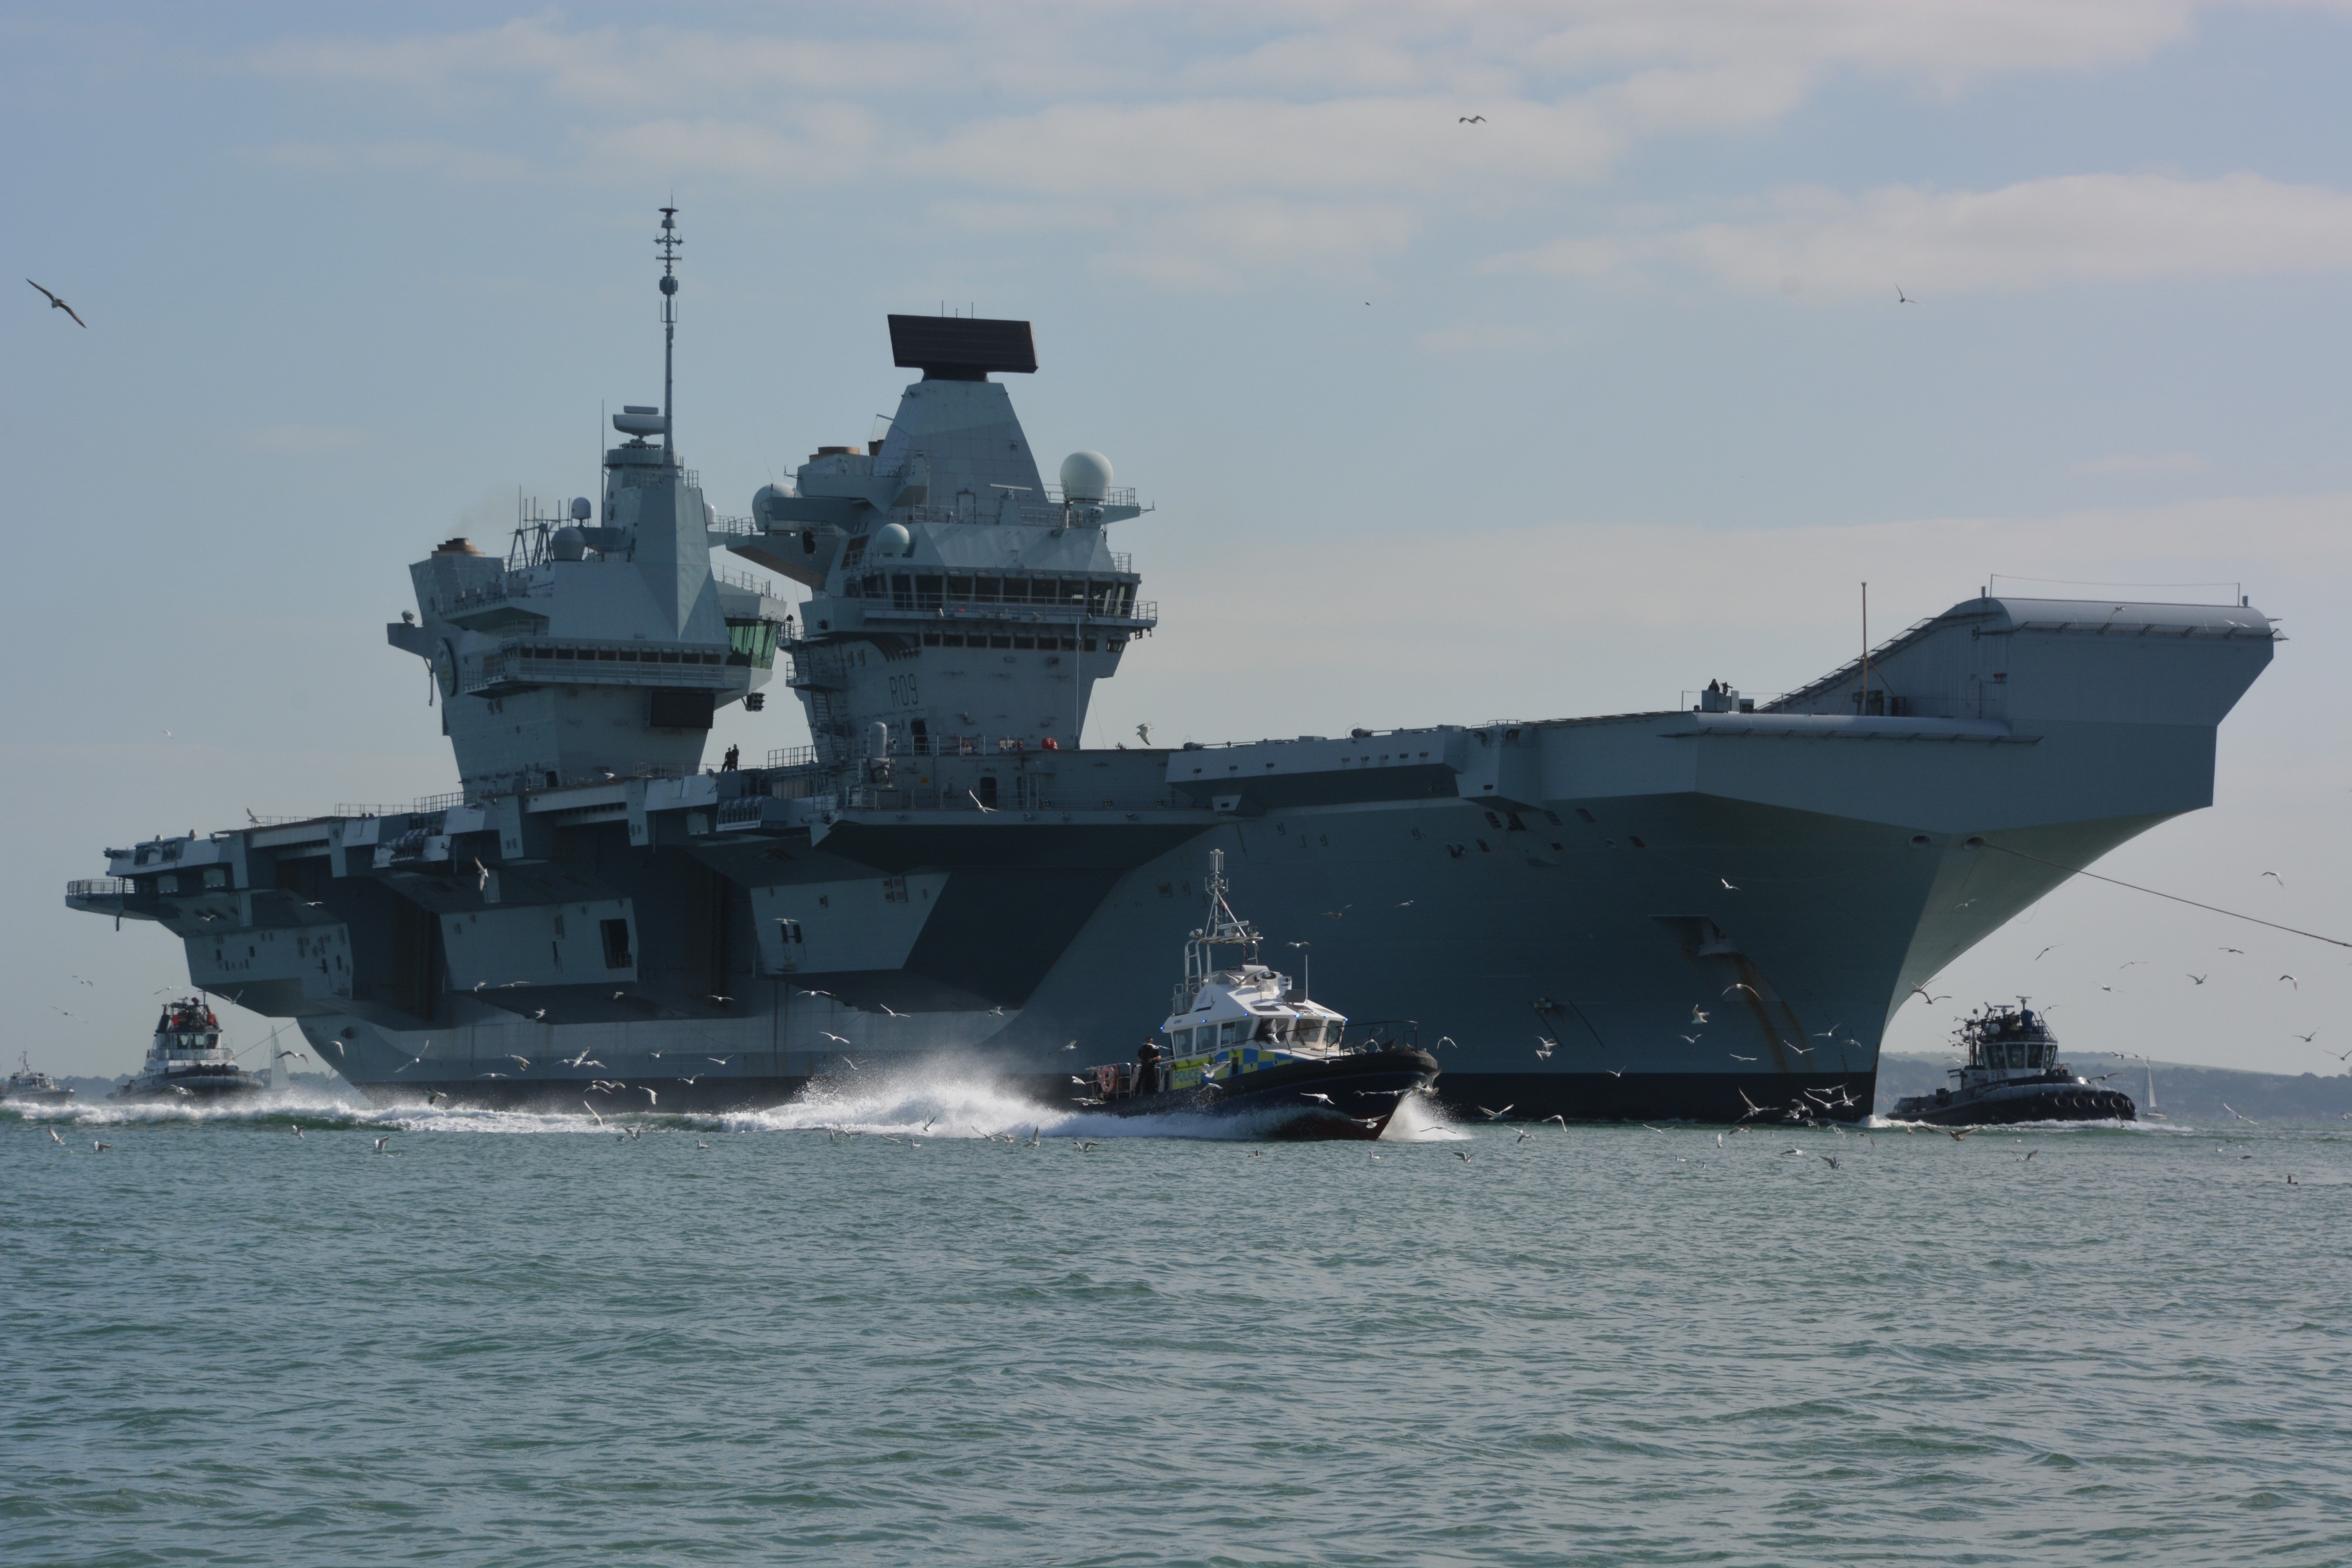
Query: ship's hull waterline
[{"x": 1595, "y": 947}]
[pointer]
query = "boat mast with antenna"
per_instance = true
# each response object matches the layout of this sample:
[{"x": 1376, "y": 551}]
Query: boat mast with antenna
[{"x": 668, "y": 242}]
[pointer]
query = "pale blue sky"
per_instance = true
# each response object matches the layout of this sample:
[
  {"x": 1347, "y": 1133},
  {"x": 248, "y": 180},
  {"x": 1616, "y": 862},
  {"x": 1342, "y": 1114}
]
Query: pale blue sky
[{"x": 1632, "y": 403}]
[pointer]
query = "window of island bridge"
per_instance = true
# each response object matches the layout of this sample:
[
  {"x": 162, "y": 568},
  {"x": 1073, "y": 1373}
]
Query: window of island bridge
[{"x": 930, "y": 590}]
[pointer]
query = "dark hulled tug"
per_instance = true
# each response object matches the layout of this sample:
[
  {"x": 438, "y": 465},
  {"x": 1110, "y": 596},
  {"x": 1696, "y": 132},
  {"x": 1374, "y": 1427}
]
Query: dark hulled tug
[
  {"x": 1239, "y": 1042},
  {"x": 2013, "y": 1074},
  {"x": 188, "y": 1061}
]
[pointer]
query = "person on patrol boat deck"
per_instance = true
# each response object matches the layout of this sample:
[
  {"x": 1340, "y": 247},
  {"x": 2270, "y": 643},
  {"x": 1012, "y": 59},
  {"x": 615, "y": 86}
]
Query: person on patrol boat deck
[{"x": 1147, "y": 1069}]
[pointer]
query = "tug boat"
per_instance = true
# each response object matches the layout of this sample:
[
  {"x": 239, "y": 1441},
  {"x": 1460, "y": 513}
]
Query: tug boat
[
  {"x": 187, "y": 1060},
  {"x": 1238, "y": 1041},
  {"x": 27, "y": 1087},
  {"x": 2013, "y": 1074}
]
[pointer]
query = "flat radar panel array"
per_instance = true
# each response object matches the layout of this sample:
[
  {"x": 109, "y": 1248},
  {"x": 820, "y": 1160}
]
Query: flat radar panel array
[{"x": 962, "y": 348}]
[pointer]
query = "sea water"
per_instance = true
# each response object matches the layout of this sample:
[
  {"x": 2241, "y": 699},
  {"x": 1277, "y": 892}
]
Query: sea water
[{"x": 919, "y": 1322}]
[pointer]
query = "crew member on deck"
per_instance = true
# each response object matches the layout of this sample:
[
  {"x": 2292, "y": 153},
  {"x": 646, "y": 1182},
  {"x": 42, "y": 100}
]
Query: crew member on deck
[{"x": 1147, "y": 1069}]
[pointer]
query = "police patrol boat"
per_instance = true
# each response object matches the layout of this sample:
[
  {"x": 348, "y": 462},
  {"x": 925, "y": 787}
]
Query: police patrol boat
[
  {"x": 187, "y": 1060},
  {"x": 27, "y": 1087},
  {"x": 943, "y": 875},
  {"x": 1239, "y": 1042},
  {"x": 2013, "y": 1074}
]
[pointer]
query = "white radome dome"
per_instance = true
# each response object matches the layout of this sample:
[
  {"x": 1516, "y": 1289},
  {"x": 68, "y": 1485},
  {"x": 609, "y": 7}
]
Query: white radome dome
[
  {"x": 893, "y": 540},
  {"x": 1086, "y": 476}
]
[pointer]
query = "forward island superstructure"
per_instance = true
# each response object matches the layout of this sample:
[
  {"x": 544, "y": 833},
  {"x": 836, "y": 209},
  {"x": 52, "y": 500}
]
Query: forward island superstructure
[{"x": 1673, "y": 913}]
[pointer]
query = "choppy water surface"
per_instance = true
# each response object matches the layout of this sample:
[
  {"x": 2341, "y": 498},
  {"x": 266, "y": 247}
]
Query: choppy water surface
[{"x": 752, "y": 1340}]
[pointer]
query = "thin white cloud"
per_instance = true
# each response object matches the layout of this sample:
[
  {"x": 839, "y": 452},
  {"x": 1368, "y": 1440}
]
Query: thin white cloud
[
  {"x": 434, "y": 158},
  {"x": 1351, "y": 113},
  {"x": 294, "y": 439},
  {"x": 1947, "y": 43},
  {"x": 1226, "y": 245},
  {"x": 1283, "y": 48},
  {"x": 2077, "y": 228},
  {"x": 2148, "y": 466},
  {"x": 1493, "y": 338}
]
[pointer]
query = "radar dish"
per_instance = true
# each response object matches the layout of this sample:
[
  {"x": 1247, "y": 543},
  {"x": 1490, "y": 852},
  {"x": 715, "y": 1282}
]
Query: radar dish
[{"x": 1086, "y": 476}]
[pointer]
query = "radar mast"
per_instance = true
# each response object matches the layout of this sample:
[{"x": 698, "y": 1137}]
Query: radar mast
[{"x": 668, "y": 242}]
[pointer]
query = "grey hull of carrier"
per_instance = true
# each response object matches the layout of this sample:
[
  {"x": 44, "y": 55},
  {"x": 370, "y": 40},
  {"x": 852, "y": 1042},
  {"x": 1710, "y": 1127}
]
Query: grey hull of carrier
[{"x": 1681, "y": 914}]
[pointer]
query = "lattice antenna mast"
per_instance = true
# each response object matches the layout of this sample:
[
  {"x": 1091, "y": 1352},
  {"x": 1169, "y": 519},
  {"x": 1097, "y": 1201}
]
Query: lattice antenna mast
[{"x": 668, "y": 242}]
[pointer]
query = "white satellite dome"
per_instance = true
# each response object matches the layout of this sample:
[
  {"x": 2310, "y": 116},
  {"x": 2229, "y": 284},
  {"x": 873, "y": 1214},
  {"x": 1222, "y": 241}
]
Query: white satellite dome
[
  {"x": 1086, "y": 476},
  {"x": 893, "y": 540}
]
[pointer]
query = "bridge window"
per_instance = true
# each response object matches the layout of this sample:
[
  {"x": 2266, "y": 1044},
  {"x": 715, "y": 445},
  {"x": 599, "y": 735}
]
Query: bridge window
[
  {"x": 616, "y": 943},
  {"x": 751, "y": 642},
  {"x": 988, "y": 590}
]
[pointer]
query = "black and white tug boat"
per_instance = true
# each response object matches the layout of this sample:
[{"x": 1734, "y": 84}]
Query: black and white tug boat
[
  {"x": 27, "y": 1087},
  {"x": 2013, "y": 1074},
  {"x": 1238, "y": 1041},
  {"x": 187, "y": 1060}
]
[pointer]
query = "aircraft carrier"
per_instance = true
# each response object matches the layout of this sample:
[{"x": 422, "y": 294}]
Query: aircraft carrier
[{"x": 1689, "y": 914}]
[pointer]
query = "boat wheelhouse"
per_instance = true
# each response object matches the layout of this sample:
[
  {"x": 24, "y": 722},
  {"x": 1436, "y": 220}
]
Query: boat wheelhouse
[
  {"x": 1237, "y": 1039},
  {"x": 187, "y": 1060},
  {"x": 2012, "y": 1073},
  {"x": 27, "y": 1087}
]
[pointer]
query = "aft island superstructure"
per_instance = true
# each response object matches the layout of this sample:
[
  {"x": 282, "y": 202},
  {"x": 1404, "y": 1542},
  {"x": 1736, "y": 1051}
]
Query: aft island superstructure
[{"x": 1673, "y": 913}]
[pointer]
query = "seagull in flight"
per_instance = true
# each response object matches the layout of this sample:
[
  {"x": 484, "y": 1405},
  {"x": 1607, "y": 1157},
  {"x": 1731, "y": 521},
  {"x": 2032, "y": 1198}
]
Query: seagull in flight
[
  {"x": 2274, "y": 875},
  {"x": 2200, "y": 980},
  {"x": 1743, "y": 985},
  {"x": 888, "y": 1008},
  {"x": 2051, "y": 948},
  {"x": 382, "y": 1141},
  {"x": 836, "y": 1039},
  {"x": 1735, "y": 1056},
  {"x": 1496, "y": 1115},
  {"x": 975, "y": 800},
  {"x": 1902, "y": 298},
  {"x": 1931, "y": 1001},
  {"x": 1728, "y": 883},
  {"x": 58, "y": 304},
  {"x": 1697, "y": 1017},
  {"x": 1143, "y": 733},
  {"x": 1470, "y": 119},
  {"x": 2291, "y": 979}
]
